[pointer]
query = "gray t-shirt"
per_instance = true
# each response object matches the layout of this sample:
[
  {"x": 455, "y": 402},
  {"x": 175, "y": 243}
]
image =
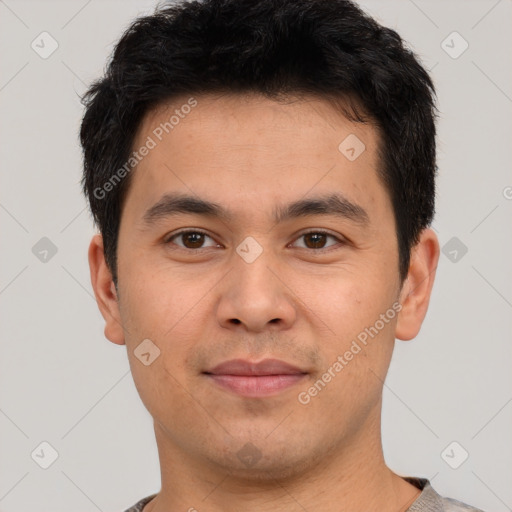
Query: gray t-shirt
[{"x": 427, "y": 501}]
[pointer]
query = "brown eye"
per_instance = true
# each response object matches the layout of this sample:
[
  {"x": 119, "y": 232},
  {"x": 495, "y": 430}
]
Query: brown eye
[
  {"x": 317, "y": 240},
  {"x": 193, "y": 240},
  {"x": 190, "y": 239}
]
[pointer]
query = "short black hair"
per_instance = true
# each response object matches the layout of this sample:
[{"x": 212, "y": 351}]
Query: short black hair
[{"x": 278, "y": 48}]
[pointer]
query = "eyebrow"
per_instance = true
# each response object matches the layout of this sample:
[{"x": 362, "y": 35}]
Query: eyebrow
[{"x": 332, "y": 204}]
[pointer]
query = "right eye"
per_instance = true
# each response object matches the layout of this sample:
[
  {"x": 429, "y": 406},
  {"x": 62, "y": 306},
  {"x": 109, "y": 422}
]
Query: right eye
[{"x": 191, "y": 239}]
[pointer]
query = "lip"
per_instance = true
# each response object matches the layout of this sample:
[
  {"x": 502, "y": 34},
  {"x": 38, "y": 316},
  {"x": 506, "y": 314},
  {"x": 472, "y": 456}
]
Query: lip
[
  {"x": 255, "y": 379},
  {"x": 241, "y": 367}
]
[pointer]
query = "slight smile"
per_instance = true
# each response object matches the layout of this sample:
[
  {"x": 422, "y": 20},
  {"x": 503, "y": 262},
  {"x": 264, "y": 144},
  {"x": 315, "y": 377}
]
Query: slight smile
[{"x": 256, "y": 379}]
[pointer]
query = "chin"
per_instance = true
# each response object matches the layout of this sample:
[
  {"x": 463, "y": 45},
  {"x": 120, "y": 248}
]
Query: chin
[{"x": 265, "y": 462}]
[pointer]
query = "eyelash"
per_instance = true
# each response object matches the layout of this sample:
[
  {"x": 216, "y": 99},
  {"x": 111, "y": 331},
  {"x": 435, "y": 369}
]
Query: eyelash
[{"x": 169, "y": 239}]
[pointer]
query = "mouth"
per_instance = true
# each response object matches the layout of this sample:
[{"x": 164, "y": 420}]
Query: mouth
[{"x": 255, "y": 379}]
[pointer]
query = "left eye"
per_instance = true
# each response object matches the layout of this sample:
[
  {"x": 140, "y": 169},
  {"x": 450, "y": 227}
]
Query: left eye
[
  {"x": 196, "y": 239},
  {"x": 316, "y": 239}
]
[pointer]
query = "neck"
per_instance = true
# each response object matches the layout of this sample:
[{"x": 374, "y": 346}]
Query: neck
[{"x": 353, "y": 477}]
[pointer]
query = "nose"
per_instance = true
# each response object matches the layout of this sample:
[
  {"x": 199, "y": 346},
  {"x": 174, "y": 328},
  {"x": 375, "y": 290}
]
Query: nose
[{"x": 256, "y": 296}]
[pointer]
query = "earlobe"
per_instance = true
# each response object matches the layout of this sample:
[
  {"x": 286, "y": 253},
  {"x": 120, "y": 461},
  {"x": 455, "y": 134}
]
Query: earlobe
[
  {"x": 417, "y": 288},
  {"x": 104, "y": 291}
]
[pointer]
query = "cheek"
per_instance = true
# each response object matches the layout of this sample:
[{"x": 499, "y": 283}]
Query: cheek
[
  {"x": 168, "y": 315},
  {"x": 361, "y": 315},
  {"x": 351, "y": 302},
  {"x": 157, "y": 364},
  {"x": 164, "y": 393},
  {"x": 156, "y": 304}
]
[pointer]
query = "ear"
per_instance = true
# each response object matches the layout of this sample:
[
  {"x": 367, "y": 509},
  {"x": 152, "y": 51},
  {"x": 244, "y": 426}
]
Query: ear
[
  {"x": 105, "y": 292},
  {"x": 417, "y": 287}
]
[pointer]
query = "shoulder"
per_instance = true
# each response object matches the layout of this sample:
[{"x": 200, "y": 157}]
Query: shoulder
[
  {"x": 430, "y": 501},
  {"x": 138, "y": 507},
  {"x": 451, "y": 505}
]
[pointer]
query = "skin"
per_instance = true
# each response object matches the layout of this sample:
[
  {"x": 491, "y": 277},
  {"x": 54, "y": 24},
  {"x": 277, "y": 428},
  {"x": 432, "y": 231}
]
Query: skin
[{"x": 296, "y": 302}]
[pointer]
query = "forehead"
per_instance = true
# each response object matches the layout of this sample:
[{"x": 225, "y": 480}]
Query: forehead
[
  {"x": 248, "y": 149},
  {"x": 252, "y": 113}
]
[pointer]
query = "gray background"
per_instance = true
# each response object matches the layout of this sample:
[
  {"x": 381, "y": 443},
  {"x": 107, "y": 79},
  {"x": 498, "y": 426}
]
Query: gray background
[{"x": 62, "y": 382}]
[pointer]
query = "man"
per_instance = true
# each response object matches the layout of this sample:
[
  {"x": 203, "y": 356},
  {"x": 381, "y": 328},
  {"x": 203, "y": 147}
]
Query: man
[{"x": 263, "y": 177}]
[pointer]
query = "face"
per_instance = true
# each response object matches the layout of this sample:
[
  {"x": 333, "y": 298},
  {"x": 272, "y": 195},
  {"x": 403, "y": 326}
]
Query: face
[{"x": 269, "y": 298}]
